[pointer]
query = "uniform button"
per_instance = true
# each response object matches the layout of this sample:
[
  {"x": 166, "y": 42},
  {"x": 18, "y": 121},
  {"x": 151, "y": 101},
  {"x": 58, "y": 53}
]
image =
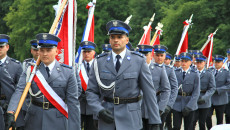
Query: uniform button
[{"x": 117, "y": 78}]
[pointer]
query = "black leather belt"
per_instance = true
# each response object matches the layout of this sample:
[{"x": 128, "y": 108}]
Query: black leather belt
[
  {"x": 117, "y": 100},
  {"x": 184, "y": 94},
  {"x": 3, "y": 97},
  {"x": 44, "y": 105},
  {"x": 203, "y": 91}
]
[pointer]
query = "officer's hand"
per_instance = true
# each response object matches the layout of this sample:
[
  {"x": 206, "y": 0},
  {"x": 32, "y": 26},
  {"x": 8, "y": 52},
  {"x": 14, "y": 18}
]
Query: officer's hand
[
  {"x": 154, "y": 127},
  {"x": 186, "y": 111},
  {"x": 201, "y": 101},
  {"x": 167, "y": 109},
  {"x": 10, "y": 121},
  {"x": 106, "y": 116}
]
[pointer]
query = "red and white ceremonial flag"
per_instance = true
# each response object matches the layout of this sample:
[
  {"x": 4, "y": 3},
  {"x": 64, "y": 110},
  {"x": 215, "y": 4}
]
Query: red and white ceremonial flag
[
  {"x": 66, "y": 31},
  {"x": 208, "y": 48},
  {"x": 145, "y": 40},
  {"x": 88, "y": 35}
]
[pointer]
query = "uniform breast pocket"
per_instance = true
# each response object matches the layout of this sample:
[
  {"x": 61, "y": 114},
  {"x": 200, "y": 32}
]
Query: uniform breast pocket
[
  {"x": 132, "y": 75},
  {"x": 107, "y": 78}
]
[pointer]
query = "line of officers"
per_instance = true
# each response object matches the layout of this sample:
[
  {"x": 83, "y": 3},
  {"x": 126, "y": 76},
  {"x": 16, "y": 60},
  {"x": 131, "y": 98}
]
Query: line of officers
[{"x": 126, "y": 90}]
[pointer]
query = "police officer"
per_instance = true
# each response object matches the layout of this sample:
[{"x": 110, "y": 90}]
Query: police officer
[
  {"x": 86, "y": 113},
  {"x": 227, "y": 108},
  {"x": 188, "y": 93},
  {"x": 119, "y": 76},
  {"x": 177, "y": 64},
  {"x": 6, "y": 91},
  {"x": 220, "y": 97},
  {"x": 14, "y": 68},
  {"x": 207, "y": 89},
  {"x": 60, "y": 78},
  {"x": 168, "y": 59},
  {"x": 174, "y": 90},
  {"x": 34, "y": 52},
  {"x": 160, "y": 79},
  {"x": 106, "y": 48},
  {"x": 194, "y": 53}
]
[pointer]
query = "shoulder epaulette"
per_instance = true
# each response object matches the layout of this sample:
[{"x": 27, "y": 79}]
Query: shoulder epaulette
[
  {"x": 28, "y": 60},
  {"x": 14, "y": 60},
  {"x": 168, "y": 66},
  {"x": 102, "y": 54},
  {"x": 177, "y": 69},
  {"x": 67, "y": 66},
  {"x": 137, "y": 53}
]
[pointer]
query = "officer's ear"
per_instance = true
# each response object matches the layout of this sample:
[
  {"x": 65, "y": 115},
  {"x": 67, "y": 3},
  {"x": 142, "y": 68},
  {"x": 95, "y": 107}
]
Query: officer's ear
[{"x": 7, "y": 47}]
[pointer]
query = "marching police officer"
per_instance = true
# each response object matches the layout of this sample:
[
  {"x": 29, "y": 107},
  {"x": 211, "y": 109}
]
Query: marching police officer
[
  {"x": 177, "y": 64},
  {"x": 6, "y": 91},
  {"x": 14, "y": 68},
  {"x": 88, "y": 57},
  {"x": 48, "y": 109},
  {"x": 194, "y": 53},
  {"x": 34, "y": 52},
  {"x": 227, "y": 108},
  {"x": 174, "y": 90},
  {"x": 207, "y": 89},
  {"x": 118, "y": 77},
  {"x": 106, "y": 48},
  {"x": 220, "y": 97},
  {"x": 188, "y": 93},
  {"x": 160, "y": 80},
  {"x": 168, "y": 59}
]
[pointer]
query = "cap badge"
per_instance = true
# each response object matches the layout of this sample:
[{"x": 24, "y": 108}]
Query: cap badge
[
  {"x": 115, "y": 23},
  {"x": 86, "y": 43},
  {"x": 106, "y": 45},
  {"x": 44, "y": 36}
]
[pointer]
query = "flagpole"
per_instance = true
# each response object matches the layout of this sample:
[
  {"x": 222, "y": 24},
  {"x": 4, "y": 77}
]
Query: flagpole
[
  {"x": 182, "y": 37},
  {"x": 128, "y": 19},
  {"x": 24, "y": 94},
  {"x": 208, "y": 40},
  {"x": 150, "y": 23},
  {"x": 158, "y": 28}
]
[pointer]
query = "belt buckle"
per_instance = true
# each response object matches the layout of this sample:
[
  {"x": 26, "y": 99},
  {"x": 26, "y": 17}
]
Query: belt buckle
[
  {"x": 46, "y": 105},
  {"x": 183, "y": 93},
  {"x": 116, "y": 100}
]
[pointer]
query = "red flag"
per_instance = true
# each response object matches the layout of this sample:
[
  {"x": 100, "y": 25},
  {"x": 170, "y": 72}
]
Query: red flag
[
  {"x": 207, "y": 50},
  {"x": 66, "y": 32},
  {"x": 145, "y": 40},
  {"x": 184, "y": 47}
]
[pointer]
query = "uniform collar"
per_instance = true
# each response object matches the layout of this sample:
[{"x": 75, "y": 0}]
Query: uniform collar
[
  {"x": 90, "y": 63},
  {"x": 122, "y": 54},
  {"x": 201, "y": 70},
  {"x": 186, "y": 71},
  {"x": 3, "y": 59},
  {"x": 51, "y": 66}
]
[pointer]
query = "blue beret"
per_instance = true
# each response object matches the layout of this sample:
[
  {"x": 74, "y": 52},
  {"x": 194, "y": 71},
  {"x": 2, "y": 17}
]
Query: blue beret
[
  {"x": 117, "y": 27},
  {"x": 87, "y": 45},
  {"x": 219, "y": 58},
  {"x": 46, "y": 40},
  {"x": 4, "y": 39},
  {"x": 145, "y": 48},
  {"x": 200, "y": 58},
  {"x": 106, "y": 47},
  {"x": 185, "y": 56},
  {"x": 160, "y": 48},
  {"x": 168, "y": 56}
]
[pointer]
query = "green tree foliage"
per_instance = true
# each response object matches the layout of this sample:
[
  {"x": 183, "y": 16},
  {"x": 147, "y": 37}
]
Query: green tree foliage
[{"x": 26, "y": 18}]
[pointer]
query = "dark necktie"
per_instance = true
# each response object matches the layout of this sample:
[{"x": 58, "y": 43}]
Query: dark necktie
[
  {"x": 228, "y": 65},
  {"x": 184, "y": 74},
  {"x": 48, "y": 71},
  {"x": 118, "y": 64},
  {"x": 216, "y": 73},
  {"x": 87, "y": 67}
]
